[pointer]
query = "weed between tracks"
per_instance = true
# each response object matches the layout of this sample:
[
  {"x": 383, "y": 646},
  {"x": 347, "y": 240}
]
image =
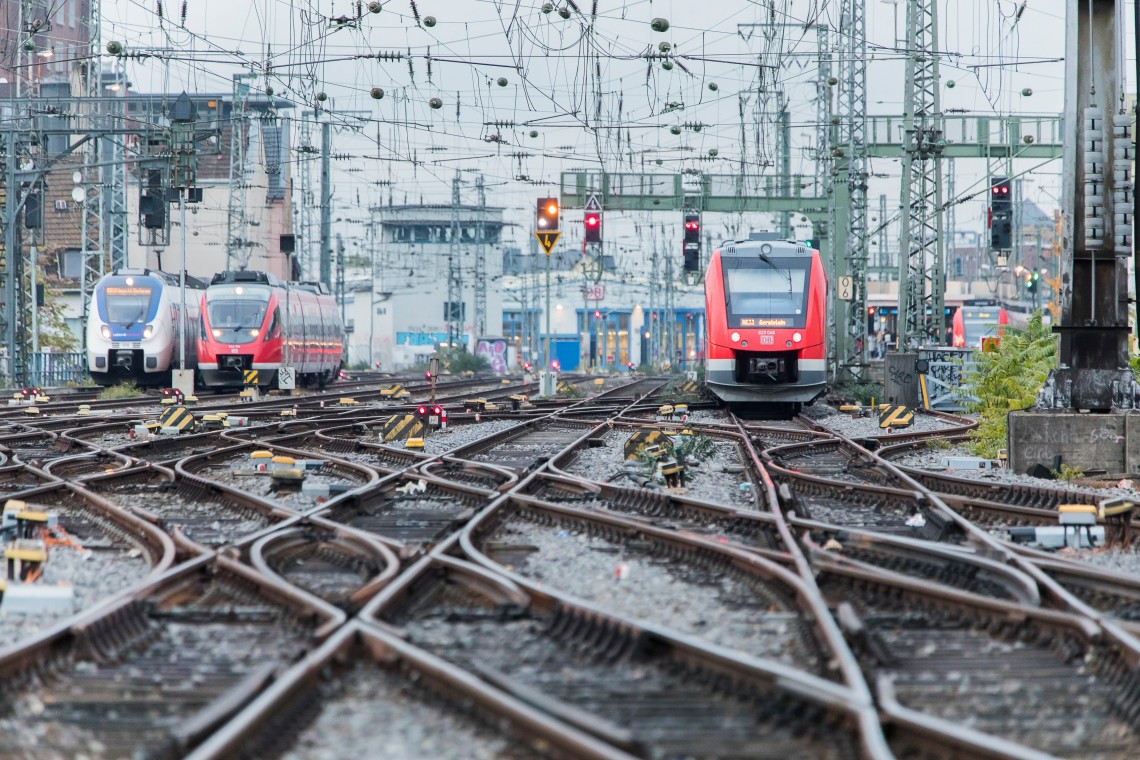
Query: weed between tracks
[{"x": 122, "y": 390}]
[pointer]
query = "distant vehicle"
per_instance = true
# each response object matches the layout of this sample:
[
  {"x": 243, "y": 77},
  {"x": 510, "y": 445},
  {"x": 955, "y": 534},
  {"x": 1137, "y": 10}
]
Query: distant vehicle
[
  {"x": 247, "y": 320},
  {"x": 766, "y": 307},
  {"x": 133, "y": 326},
  {"x": 973, "y": 323}
]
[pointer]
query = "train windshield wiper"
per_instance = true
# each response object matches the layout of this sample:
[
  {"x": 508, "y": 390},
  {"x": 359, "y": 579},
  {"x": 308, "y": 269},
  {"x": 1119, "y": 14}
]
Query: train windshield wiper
[
  {"x": 781, "y": 272},
  {"x": 136, "y": 319}
]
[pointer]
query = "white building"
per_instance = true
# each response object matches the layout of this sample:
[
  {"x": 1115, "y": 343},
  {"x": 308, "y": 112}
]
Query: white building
[{"x": 406, "y": 314}]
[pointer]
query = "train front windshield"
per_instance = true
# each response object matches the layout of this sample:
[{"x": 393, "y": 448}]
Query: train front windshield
[
  {"x": 768, "y": 292},
  {"x": 975, "y": 328},
  {"x": 236, "y": 312},
  {"x": 125, "y": 305}
]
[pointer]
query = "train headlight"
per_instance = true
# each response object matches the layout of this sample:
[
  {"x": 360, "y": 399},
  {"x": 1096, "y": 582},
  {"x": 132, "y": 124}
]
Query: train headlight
[
  {"x": 735, "y": 337},
  {"x": 148, "y": 331},
  {"x": 796, "y": 337},
  {"x": 253, "y": 333},
  {"x": 105, "y": 331},
  {"x": 217, "y": 333}
]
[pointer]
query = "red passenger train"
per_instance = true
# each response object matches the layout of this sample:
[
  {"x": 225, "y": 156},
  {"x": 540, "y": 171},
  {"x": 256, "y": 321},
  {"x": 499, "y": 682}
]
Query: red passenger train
[
  {"x": 766, "y": 306},
  {"x": 251, "y": 320},
  {"x": 973, "y": 324}
]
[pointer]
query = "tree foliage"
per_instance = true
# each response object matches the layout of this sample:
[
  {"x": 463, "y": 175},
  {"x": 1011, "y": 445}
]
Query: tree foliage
[{"x": 1006, "y": 378}]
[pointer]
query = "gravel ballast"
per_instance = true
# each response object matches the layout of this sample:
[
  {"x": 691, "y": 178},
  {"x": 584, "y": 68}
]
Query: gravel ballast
[
  {"x": 93, "y": 574},
  {"x": 635, "y": 581},
  {"x": 722, "y": 478},
  {"x": 866, "y": 427},
  {"x": 371, "y": 713}
]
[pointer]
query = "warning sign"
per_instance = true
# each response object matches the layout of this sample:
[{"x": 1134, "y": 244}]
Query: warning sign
[{"x": 547, "y": 240}]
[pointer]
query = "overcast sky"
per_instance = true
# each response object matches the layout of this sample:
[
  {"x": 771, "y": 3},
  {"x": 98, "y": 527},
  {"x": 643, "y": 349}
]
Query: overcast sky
[{"x": 583, "y": 83}]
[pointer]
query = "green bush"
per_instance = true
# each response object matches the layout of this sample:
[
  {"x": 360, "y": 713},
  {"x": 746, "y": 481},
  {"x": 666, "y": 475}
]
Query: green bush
[
  {"x": 122, "y": 390},
  {"x": 1006, "y": 378},
  {"x": 1068, "y": 473},
  {"x": 861, "y": 393},
  {"x": 694, "y": 448},
  {"x": 461, "y": 361}
]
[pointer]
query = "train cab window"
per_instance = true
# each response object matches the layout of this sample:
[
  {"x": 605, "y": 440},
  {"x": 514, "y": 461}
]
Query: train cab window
[
  {"x": 274, "y": 330},
  {"x": 124, "y": 303},
  {"x": 236, "y": 312},
  {"x": 770, "y": 288}
]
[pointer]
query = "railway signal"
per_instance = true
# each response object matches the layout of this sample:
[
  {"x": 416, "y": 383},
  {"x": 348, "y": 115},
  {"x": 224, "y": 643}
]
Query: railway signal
[
  {"x": 593, "y": 222},
  {"x": 547, "y": 216},
  {"x": 1001, "y": 199},
  {"x": 692, "y": 244},
  {"x": 1001, "y": 214}
]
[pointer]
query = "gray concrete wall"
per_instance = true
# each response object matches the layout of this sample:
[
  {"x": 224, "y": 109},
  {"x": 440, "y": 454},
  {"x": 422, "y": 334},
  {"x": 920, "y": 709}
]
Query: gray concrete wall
[{"x": 1090, "y": 441}]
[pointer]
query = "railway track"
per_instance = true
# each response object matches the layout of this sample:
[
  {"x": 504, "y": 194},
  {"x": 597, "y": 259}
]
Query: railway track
[
  {"x": 161, "y": 670},
  {"x": 799, "y": 597}
]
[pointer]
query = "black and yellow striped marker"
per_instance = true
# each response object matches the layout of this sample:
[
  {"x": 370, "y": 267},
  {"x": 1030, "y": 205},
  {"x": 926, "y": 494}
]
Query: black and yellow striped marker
[
  {"x": 401, "y": 427},
  {"x": 645, "y": 438},
  {"x": 176, "y": 417},
  {"x": 389, "y": 391},
  {"x": 249, "y": 377},
  {"x": 896, "y": 415},
  {"x": 690, "y": 386}
]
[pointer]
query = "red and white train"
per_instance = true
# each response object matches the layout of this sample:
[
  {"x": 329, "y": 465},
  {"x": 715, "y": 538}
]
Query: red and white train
[
  {"x": 252, "y": 320},
  {"x": 766, "y": 308},
  {"x": 974, "y": 324}
]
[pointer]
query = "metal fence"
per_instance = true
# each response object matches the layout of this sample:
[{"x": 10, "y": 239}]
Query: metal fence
[{"x": 54, "y": 369}]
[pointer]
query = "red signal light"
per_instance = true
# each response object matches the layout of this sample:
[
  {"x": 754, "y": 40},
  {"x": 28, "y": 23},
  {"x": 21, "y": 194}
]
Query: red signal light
[
  {"x": 555, "y": 365},
  {"x": 593, "y": 220},
  {"x": 436, "y": 410},
  {"x": 423, "y": 410},
  {"x": 427, "y": 375},
  {"x": 597, "y": 314}
]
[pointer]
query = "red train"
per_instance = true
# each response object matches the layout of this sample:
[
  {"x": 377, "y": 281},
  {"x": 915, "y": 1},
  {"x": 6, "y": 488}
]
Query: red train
[
  {"x": 766, "y": 307},
  {"x": 250, "y": 319},
  {"x": 973, "y": 323}
]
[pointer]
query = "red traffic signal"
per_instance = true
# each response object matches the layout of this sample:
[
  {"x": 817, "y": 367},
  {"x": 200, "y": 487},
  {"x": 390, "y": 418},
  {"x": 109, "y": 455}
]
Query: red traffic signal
[
  {"x": 597, "y": 314},
  {"x": 428, "y": 374},
  {"x": 555, "y": 365},
  {"x": 593, "y": 222}
]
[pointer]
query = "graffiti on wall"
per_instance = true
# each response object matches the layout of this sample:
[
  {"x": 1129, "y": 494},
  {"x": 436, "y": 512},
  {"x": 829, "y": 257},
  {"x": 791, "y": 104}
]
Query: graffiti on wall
[{"x": 494, "y": 350}]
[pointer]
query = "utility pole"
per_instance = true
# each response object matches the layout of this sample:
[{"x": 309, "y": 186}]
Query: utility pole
[
  {"x": 454, "y": 295},
  {"x": 372, "y": 293},
  {"x": 309, "y": 256},
  {"x": 326, "y": 205},
  {"x": 784, "y": 146},
  {"x": 114, "y": 152},
  {"x": 951, "y": 220},
  {"x": 340, "y": 276},
  {"x": 921, "y": 263},
  {"x": 481, "y": 262},
  {"x": 851, "y": 319},
  {"x": 237, "y": 250},
  {"x": 884, "y": 250}
]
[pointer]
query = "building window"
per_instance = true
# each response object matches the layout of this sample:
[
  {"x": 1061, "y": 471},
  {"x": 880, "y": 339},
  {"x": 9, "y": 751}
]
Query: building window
[{"x": 71, "y": 264}]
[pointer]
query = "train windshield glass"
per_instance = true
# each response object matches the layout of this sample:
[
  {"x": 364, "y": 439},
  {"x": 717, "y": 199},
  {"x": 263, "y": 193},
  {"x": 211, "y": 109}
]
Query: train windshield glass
[
  {"x": 772, "y": 289},
  {"x": 976, "y": 328},
  {"x": 127, "y": 305},
  {"x": 236, "y": 312}
]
